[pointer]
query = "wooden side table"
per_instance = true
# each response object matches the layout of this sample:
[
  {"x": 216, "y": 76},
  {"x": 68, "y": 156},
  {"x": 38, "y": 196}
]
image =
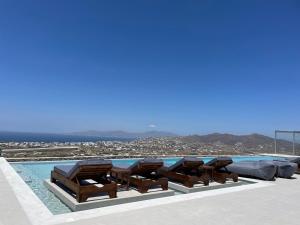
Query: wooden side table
[{"x": 122, "y": 175}]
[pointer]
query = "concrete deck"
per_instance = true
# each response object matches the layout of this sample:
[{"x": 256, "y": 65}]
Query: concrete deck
[
  {"x": 275, "y": 205},
  {"x": 11, "y": 211},
  {"x": 263, "y": 203}
]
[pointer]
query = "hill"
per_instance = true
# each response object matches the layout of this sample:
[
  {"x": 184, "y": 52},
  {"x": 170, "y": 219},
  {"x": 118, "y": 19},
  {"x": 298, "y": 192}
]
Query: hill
[{"x": 249, "y": 141}]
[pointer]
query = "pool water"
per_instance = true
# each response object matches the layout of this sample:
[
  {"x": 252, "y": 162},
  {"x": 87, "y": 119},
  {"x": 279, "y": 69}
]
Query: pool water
[{"x": 34, "y": 174}]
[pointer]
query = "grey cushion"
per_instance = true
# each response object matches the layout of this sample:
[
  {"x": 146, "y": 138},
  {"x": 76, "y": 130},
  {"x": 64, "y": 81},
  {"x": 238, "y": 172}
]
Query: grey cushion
[
  {"x": 213, "y": 161},
  {"x": 63, "y": 169},
  {"x": 285, "y": 169},
  {"x": 294, "y": 160},
  {"x": 262, "y": 169},
  {"x": 67, "y": 170},
  {"x": 181, "y": 162},
  {"x": 153, "y": 161}
]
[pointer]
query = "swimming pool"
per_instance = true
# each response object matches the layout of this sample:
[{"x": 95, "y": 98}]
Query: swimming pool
[{"x": 34, "y": 174}]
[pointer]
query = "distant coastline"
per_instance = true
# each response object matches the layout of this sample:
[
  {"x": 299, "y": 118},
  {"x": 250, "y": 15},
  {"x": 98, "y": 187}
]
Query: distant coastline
[{"x": 47, "y": 137}]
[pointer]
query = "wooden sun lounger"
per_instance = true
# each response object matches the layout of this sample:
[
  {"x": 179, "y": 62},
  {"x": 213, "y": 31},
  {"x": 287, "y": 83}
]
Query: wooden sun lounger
[
  {"x": 142, "y": 174},
  {"x": 186, "y": 172},
  {"x": 219, "y": 172},
  {"x": 75, "y": 178}
]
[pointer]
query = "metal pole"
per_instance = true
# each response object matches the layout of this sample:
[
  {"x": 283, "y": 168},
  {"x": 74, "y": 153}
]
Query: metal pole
[
  {"x": 275, "y": 142},
  {"x": 294, "y": 143}
]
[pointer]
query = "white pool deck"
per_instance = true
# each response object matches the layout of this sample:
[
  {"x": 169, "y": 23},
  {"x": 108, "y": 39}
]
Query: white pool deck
[{"x": 265, "y": 202}]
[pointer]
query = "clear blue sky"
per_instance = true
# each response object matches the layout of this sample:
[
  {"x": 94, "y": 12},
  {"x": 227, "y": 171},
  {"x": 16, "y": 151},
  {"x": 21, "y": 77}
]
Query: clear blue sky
[{"x": 181, "y": 66}]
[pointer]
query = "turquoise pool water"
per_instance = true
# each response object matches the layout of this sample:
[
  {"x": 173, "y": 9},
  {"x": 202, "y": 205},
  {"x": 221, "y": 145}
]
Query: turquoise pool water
[{"x": 34, "y": 173}]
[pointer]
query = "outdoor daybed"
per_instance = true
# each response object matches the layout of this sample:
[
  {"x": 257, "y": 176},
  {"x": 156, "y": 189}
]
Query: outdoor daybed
[
  {"x": 285, "y": 169},
  {"x": 261, "y": 169}
]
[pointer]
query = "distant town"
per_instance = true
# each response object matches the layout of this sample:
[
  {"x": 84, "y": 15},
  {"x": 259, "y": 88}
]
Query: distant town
[{"x": 214, "y": 144}]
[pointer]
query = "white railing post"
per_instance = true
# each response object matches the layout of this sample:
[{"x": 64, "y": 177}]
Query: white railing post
[
  {"x": 275, "y": 142},
  {"x": 294, "y": 153}
]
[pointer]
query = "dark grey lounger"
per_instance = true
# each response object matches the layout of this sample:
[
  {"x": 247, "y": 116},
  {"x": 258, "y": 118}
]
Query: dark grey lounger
[
  {"x": 257, "y": 169},
  {"x": 285, "y": 169},
  {"x": 295, "y": 160}
]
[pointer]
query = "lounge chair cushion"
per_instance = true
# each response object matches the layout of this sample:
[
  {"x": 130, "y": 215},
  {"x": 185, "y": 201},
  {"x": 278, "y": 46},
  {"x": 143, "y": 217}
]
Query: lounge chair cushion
[
  {"x": 151, "y": 161},
  {"x": 63, "y": 169},
  {"x": 215, "y": 160},
  {"x": 192, "y": 160},
  {"x": 294, "y": 160},
  {"x": 68, "y": 170},
  {"x": 285, "y": 169},
  {"x": 261, "y": 169}
]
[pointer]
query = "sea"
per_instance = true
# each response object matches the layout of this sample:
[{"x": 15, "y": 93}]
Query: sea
[{"x": 48, "y": 138}]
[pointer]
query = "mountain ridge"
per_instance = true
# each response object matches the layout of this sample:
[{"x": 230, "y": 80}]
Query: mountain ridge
[{"x": 249, "y": 140}]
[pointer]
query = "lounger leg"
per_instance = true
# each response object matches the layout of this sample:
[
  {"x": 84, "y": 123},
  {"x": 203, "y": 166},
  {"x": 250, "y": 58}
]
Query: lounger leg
[
  {"x": 52, "y": 180},
  {"x": 112, "y": 194},
  {"x": 220, "y": 178},
  {"x": 143, "y": 189},
  {"x": 206, "y": 182},
  {"x": 81, "y": 198},
  {"x": 164, "y": 187},
  {"x": 205, "y": 179},
  {"x": 234, "y": 177},
  {"x": 188, "y": 184}
]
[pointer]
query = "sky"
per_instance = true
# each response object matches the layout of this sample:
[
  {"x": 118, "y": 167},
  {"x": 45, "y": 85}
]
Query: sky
[{"x": 189, "y": 67}]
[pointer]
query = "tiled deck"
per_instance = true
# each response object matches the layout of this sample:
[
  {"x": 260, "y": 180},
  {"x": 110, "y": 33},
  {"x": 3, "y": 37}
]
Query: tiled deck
[{"x": 273, "y": 204}]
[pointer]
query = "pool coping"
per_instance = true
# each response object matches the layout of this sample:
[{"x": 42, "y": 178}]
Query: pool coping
[
  {"x": 39, "y": 214},
  {"x": 76, "y": 160},
  {"x": 141, "y": 157},
  {"x": 112, "y": 157}
]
